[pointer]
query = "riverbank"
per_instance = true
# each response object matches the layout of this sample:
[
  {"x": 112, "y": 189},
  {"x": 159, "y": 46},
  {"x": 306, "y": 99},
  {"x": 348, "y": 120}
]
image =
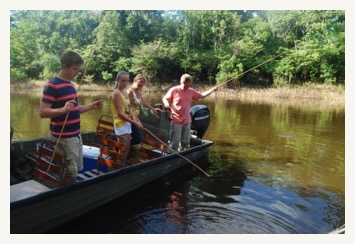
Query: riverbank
[
  {"x": 320, "y": 97},
  {"x": 310, "y": 92}
]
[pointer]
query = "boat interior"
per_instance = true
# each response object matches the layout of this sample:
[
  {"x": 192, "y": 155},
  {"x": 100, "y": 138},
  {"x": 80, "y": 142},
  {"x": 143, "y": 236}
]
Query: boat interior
[
  {"x": 103, "y": 151},
  {"x": 37, "y": 167}
]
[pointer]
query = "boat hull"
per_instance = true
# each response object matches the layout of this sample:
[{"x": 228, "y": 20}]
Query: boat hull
[{"x": 44, "y": 211}]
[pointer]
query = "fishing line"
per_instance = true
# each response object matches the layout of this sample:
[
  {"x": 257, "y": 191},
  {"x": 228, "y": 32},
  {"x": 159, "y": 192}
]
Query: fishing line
[
  {"x": 216, "y": 87},
  {"x": 175, "y": 152},
  {"x": 255, "y": 67},
  {"x": 66, "y": 118}
]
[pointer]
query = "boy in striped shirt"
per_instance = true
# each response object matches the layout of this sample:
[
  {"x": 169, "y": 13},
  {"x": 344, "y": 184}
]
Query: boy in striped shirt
[{"x": 60, "y": 104}]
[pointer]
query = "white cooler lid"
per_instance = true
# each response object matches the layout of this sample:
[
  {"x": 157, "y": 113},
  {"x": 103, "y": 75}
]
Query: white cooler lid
[{"x": 91, "y": 152}]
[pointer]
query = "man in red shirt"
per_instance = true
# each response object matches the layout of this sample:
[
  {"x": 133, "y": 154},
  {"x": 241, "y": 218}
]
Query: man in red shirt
[{"x": 179, "y": 99}]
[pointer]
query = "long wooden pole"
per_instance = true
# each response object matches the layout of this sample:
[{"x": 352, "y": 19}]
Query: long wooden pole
[
  {"x": 66, "y": 118},
  {"x": 56, "y": 145},
  {"x": 225, "y": 82},
  {"x": 175, "y": 152}
]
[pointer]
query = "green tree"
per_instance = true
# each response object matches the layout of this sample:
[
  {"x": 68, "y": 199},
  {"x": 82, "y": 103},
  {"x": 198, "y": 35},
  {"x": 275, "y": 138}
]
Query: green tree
[
  {"x": 153, "y": 59},
  {"x": 318, "y": 39},
  {"x": 203, "y": 38},
  {"x": 209, "y": 44},
  {"x": 252, "y": 48},
  {"x": 38, "y": 36}
]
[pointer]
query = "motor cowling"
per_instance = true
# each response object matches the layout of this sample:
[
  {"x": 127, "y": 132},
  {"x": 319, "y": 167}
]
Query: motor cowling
[{"x": 200, "y": 115}]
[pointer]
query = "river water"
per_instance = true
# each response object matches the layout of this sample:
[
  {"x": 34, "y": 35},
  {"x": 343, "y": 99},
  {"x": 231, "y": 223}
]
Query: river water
[{"x": 276, "y": 167}]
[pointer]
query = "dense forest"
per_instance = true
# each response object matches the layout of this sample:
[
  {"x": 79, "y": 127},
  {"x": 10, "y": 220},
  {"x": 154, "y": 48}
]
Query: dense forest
[{"x": 211, "y": 45}]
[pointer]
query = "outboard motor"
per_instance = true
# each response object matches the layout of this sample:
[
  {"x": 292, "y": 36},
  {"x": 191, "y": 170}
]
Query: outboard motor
[{"x": 200, "y": 115}]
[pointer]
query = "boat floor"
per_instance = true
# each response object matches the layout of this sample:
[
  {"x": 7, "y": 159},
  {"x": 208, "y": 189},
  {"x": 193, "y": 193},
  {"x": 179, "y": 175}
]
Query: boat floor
[
  {"x": 33, "y": 187},
  {"x": 26, "y": 189}
]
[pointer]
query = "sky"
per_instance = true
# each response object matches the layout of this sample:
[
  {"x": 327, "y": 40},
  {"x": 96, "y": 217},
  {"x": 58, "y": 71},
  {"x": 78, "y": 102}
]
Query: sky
[{"x": 6, "y": 6}]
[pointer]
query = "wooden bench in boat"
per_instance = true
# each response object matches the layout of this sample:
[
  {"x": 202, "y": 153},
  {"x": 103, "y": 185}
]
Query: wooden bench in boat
[
  {"x": 49, "y": 165},
  {"x": 113, "y": 154},
  {"x": 152, "y": 145},
  {"x": 104, "y": 125}
]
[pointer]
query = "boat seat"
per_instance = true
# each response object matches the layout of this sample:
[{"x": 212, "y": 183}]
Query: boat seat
[
  {"x": 104, "y": 125},
  {"x": 152, "y": 145},
  {"x": 113, "y": 152},
  {"x": 113, "y": 149},
  {"x": 49, "y": 166}
]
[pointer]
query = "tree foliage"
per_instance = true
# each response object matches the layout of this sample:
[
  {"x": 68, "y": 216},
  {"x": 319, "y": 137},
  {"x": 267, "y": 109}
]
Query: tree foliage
[{"x": 211, "y": 45}]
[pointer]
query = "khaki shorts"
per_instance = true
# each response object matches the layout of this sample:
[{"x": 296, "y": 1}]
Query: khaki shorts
[{"x": 72, "y": 148}]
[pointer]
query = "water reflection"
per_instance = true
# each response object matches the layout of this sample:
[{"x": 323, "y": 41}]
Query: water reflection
[
  {"x": 275, "y": 167},
  {"x": 302, "y": 146}
]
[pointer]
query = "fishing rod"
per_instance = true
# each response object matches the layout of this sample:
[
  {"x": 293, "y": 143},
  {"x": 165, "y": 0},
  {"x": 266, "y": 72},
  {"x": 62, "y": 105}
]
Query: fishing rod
[
  {"x": 87, "y": 67},
  {"x": 60, "y": 135},
  {"x": 175, "y": 152},
  {"x": 216, "y": 87},
  {"x": 12, "y": 131},
  {"x": 66, "y": 117},
  {"x": 278, "y": 55}
]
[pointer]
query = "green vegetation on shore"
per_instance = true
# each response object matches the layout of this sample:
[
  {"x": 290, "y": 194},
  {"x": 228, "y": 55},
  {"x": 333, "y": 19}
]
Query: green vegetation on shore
[{"x": 211, "y": 45}]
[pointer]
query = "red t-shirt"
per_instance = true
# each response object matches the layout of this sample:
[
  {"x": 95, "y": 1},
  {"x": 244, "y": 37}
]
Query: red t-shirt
[{"x": 180, "y": 103}]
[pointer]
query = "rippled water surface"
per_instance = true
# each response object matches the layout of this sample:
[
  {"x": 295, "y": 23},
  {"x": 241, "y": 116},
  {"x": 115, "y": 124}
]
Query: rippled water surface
[{"x": 274, "y": 168}]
